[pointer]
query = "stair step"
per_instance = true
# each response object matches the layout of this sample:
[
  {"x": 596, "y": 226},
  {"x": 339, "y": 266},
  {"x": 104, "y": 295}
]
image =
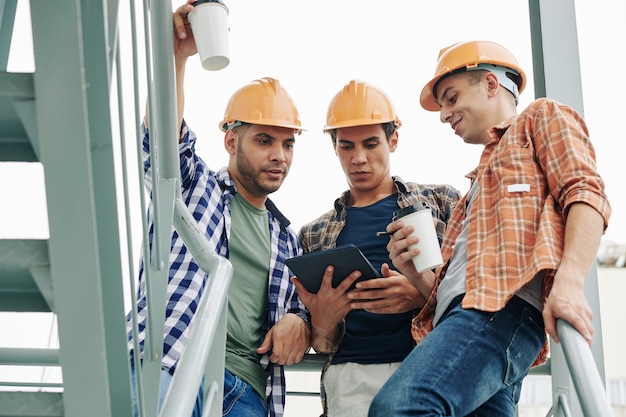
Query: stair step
[
  {"x": 25, "y": 281},
  {"x": 18, "y": 124}
]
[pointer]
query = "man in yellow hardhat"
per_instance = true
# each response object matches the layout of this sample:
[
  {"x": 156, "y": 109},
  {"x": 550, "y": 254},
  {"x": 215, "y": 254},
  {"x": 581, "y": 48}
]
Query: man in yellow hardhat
[
  {"x": 366, "y": 331},
  {"x": 519, "y": 244},
  {"x": 267, "y": 325}
]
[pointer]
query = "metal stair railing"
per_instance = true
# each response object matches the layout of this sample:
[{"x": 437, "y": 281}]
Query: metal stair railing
[
  {"x": 587, "y": 381},
  {"x": 208, "y": 331},
  {"x": 207, "y": 334}
]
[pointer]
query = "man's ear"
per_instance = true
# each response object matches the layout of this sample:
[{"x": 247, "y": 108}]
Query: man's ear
[
  {"x": 393, "y": 141},
  {"x": 230, "y": 142},
  {"x": 492, "y": 83}
]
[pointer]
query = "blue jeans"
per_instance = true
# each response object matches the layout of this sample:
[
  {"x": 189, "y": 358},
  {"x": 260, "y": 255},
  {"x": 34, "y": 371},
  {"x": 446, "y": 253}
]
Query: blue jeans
[
  {"x": 471, "y": 364},
  {"x": 164, "y": 385},
  {"x": 240, "y": 400}
]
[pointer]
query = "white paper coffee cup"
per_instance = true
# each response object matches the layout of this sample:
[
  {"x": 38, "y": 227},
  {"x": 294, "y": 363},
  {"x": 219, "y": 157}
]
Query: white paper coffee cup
[
  {"x": 209, "y": 23},
  {"x": 420, "y": 217}
]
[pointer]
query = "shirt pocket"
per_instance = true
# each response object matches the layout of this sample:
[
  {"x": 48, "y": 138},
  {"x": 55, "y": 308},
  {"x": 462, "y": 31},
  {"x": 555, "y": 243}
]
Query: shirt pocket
[{"x": 516, "y": 174}]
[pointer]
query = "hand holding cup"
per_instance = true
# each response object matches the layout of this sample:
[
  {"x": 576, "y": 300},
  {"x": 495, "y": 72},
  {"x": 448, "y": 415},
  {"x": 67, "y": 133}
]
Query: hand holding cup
[{"x": 419, "y": 216}]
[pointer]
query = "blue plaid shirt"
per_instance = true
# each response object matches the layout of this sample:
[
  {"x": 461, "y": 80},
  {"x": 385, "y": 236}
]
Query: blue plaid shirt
[{"x": 208, "y": 194}]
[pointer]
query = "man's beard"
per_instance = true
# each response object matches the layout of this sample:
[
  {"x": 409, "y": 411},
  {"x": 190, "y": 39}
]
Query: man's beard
[{"x": 250, "y": 177}]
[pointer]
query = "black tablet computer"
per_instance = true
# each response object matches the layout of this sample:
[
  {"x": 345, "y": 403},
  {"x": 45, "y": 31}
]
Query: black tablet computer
[{"x": 310, "y": 267}]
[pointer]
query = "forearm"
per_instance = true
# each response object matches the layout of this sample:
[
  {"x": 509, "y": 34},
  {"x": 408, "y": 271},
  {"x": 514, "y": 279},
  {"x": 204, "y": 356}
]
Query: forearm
[
  {"x": 583, "y": 230},
  {"x": 180, "y": 64},
  {"x": 423, "y": 282}
]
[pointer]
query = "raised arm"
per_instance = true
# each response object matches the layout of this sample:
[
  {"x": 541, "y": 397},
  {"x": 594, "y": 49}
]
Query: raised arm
[{"x": 184, "y": 47}]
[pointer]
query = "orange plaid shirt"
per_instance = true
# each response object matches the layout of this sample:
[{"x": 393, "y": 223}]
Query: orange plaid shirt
[{"x": 536, "y": 165}]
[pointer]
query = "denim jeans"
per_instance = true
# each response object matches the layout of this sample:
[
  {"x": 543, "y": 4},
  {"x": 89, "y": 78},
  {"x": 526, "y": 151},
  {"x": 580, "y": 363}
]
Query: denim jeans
[
  {"x": 240, "y": 400},
  {"x": 164, "y": 384},
  {"x": 471, "y": 364}
]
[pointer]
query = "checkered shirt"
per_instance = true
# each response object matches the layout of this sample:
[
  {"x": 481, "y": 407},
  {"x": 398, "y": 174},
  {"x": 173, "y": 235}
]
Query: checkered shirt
[
  {"x": 208, "y": 195},
  {"x": 512, "y": 235}
]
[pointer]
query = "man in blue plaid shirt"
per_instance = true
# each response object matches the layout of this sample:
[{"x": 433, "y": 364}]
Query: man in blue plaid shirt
[{"x": 267, "y": 325}]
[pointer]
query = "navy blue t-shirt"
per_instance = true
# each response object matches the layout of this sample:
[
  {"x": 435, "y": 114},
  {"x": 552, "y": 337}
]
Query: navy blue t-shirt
[{"x": 373, "y": 338}]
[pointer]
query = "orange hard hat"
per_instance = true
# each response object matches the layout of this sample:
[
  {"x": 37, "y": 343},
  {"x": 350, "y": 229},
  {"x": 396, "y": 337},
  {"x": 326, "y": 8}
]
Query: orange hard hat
[
  {"x": 262, "y": 102},
  {"x": 470, "y": 56},
  {"x": 360, "y": 104}
]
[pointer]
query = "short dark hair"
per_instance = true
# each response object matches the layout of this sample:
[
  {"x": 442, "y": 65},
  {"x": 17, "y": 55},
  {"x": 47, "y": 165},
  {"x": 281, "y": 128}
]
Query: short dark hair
[{"x": 475, "y": 76}]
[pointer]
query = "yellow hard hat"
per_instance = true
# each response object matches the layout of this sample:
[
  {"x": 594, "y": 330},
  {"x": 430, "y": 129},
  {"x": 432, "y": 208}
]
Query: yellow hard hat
[
  {"x": 360, "y": 104},
  {"x": 262, "y": 102},
  {"x": 470, "y": 56}
]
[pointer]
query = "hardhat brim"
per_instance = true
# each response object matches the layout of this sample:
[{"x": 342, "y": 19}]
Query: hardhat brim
[{"x": 277, "y": 123}]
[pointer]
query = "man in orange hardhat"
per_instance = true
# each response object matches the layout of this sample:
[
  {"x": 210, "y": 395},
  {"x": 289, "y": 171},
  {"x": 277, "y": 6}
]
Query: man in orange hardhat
[
  {"x": 365, "y": 331},
  {"x": 267, "y": 326},
  {"x": 519, "y": 244}
]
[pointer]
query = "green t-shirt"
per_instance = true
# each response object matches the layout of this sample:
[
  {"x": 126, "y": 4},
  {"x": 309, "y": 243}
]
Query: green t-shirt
[{"x": 247, "y": 297}]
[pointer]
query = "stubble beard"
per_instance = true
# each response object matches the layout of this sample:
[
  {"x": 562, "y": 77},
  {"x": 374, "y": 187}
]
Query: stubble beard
[{"x": 251, "y": 177}]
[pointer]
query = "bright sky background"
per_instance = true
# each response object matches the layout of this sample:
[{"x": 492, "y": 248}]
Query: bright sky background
[{"x": 314, "y": 48}]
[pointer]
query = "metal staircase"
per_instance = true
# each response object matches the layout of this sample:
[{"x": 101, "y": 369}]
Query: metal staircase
[
  {"x": 61, "y": 117},
  {"x": 60, "y": 265}
]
